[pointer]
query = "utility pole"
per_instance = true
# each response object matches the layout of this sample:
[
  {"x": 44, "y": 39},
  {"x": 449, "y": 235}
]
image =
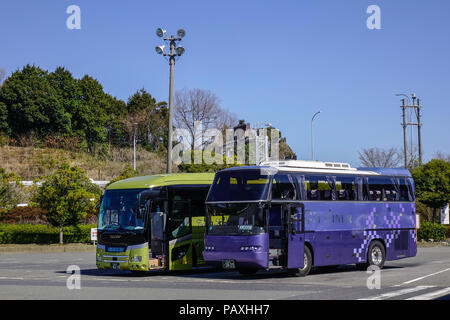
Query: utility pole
[
  {"x": 419, "y": 135},
  {"x": 405, "y": 147},
  {"x": 417, "y": 107}
]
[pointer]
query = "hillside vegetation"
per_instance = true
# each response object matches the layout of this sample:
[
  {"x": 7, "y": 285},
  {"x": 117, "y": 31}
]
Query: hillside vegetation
[{"x": 30, "y": 163}]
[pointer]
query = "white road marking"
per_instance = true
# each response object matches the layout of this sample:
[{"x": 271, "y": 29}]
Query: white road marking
[
  {"x": 397, "y": 293},
  {"x": 431, "y": 295},
  {"x": 430, "y": 275},
  {"x": 11, "y": 278}
]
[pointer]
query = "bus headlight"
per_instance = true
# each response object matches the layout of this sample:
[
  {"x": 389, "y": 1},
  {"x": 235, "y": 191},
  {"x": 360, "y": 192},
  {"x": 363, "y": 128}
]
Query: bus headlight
[
  {"x": 251, "y": 248},
  {"x": 136, "y": 259}
]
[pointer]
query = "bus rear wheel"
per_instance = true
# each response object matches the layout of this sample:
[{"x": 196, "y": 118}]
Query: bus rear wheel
[
  {"x": 307, "y": 265},
  {"x": 376, "y": 256}
]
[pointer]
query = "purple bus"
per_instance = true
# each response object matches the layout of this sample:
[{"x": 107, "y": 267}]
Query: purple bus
[{"x": 299, "y": 214}]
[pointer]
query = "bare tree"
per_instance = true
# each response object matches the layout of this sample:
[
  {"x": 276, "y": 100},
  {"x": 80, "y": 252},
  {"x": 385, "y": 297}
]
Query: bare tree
[
  {"x": 196, "y": 105},
  {"x": 133, "y": 121},
  {"x": 413, "y": 157},
  {"x": 225, "y": 120},
  {"x": 379, "y": 158},
  {"x": 442, "y": 156}
]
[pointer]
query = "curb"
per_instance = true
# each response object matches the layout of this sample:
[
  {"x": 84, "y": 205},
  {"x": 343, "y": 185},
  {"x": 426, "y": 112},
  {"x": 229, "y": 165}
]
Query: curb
[
  {"x": 50, "y": 248},
  {"x": 432, "y": 244}
]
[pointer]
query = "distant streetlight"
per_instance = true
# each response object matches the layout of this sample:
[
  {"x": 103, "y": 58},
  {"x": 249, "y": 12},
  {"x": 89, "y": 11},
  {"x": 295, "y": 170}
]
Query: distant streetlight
[
  {"x": 134, "y": 146},
  {"x": 174, "y": 52},
  {"x": 312, "y": 136}
]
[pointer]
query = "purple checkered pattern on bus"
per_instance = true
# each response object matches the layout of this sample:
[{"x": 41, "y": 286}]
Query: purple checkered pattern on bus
[
  {"x": 368, "y": 236},
  {"x": 392, "y": 222}
]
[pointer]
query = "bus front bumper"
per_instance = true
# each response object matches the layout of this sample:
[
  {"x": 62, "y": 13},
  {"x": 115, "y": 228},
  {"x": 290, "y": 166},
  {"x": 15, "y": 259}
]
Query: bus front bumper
[
  {"x": 133, "y": 258},
  {"x": 245, "y": 251}
]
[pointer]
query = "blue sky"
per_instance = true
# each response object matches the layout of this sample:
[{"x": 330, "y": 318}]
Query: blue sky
[{"x": 268, "y": 61}]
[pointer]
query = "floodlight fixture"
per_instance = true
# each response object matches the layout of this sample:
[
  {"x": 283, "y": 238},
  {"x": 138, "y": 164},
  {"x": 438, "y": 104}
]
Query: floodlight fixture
[
  {"x": 160, "y": 32},
  {"x": 181, "y": 33},
  {"x": 180, "y": 50},
  {"x": 160, "y": 49}
]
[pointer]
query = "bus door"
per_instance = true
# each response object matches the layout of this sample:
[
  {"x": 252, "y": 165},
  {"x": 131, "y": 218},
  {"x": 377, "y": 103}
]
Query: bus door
[
  {"x": 295, "y": 214},
  {"x": 157, "y": 239},
  {"x": 179, "y": 230}
]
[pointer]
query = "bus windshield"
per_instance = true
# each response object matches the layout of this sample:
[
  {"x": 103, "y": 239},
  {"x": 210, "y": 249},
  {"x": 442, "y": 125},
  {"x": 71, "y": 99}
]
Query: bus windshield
[
  {"x": 239, "y": 185},
  {"x": 119, "y": 210},
  {"x": 235, "y": 219}
]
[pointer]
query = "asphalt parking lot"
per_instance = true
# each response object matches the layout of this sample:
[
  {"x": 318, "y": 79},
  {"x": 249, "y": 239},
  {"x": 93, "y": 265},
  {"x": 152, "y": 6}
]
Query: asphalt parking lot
[{"x": 44, "y": 276}]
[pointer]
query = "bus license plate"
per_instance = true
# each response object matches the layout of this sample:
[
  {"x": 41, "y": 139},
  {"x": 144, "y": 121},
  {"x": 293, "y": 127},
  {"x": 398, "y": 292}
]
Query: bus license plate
[
  {"x": 228, "y": 264},
  {"x": 115, "y": 266}
]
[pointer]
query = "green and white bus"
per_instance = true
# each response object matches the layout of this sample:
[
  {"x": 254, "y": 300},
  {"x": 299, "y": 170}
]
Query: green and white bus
[{"x": 153, "y": 223}]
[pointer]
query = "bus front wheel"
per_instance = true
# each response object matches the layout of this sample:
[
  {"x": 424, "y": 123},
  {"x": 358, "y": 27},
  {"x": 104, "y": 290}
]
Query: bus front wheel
[{"x": 307, "y": 265}]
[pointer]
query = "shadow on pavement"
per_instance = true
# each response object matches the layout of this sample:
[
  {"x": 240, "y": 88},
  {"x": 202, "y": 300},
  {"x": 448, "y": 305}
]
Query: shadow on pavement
[{"x": 211, "y": 273}]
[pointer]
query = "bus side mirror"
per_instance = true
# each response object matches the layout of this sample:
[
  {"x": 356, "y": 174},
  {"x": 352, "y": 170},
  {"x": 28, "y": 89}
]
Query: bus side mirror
[{"x": 98, "y": 205}]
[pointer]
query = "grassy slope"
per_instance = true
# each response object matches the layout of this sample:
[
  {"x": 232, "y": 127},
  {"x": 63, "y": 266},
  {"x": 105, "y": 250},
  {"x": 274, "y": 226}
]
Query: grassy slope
[{"x": 31, "y": 162}]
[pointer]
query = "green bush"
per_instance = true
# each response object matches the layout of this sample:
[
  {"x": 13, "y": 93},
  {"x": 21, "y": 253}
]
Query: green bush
[
  {"x": 43, "y": 234},
  {"x": 429, "y": 230}
]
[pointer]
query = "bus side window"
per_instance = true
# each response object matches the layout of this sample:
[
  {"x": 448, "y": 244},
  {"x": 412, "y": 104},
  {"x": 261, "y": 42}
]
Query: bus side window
[
  {"x": 327, "y": 188},
  {"x": 405, "y": 190},
  {"x": 312, "y": 188},
  {"x": 345, "y": 188},
  {"x": 385, "y": 189},
  {"x": 319, "y": 187},
  {"x": 179, "y": 222},
  {"x": 284, "y": 188},
  {"x": 375, "y": 189}
]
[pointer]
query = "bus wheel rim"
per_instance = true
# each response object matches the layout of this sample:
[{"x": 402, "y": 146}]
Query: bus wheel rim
[
  {"x": 305, "y": 261},
  {"x": 377, "y": 255}
]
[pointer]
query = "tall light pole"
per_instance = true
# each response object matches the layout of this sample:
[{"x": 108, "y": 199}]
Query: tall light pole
[
  {"x": 312, "y": 136},
  {"x": 173, "y": 53}
]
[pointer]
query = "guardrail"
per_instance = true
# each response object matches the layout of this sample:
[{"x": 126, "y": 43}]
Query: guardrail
[{"x": 99, "y": 183}]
